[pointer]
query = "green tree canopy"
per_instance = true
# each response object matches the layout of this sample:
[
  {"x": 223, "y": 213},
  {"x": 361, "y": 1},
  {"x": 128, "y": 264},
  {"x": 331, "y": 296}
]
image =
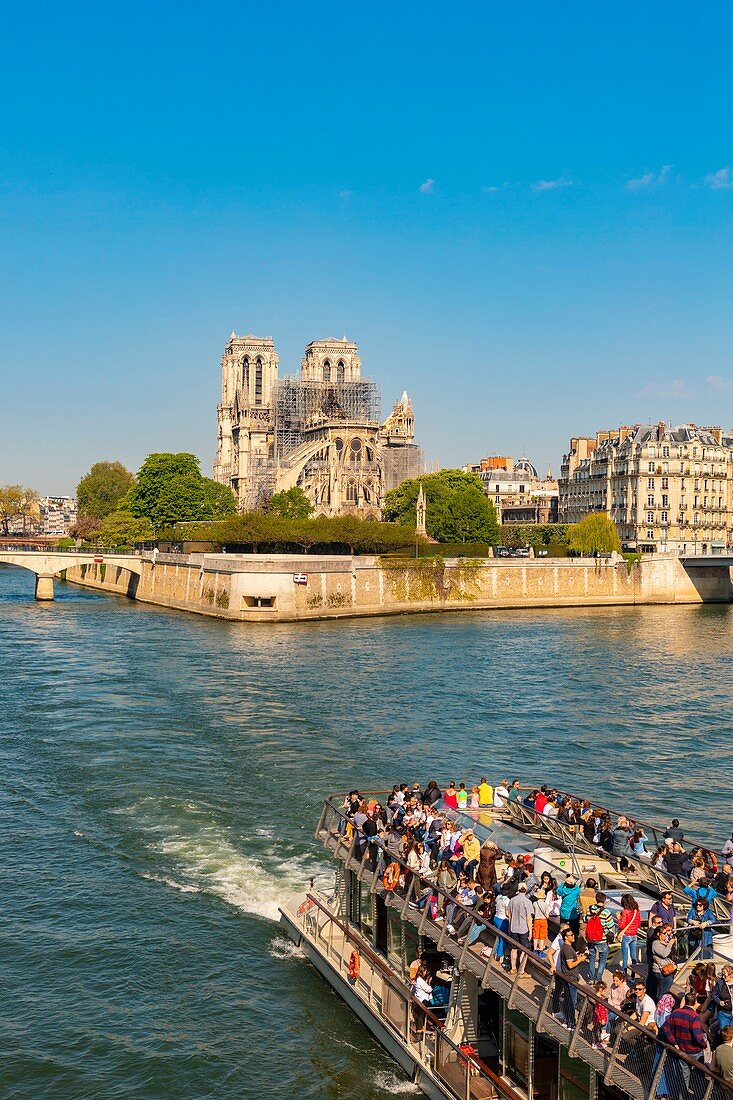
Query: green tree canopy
[
  {"x": 100, "y": 491},
  {"x": 457, "y": 509},
  {"x": 87, "y": 529},
  {"x": 595, "y": 533},
  {"x": 291, "y": 504},
  {"x": 122, "y": 528},
  {"x": 169, "y": 489}
]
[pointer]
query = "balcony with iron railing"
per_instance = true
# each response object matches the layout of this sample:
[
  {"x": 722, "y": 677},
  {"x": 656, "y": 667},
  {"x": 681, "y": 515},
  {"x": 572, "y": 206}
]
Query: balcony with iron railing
[{"x": 637, "y": 1061}]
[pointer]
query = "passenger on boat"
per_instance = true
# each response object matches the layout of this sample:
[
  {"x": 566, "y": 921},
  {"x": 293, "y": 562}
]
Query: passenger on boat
[
  {"x": 485, "y": 794},
  {"x": 488, "y": 855},
  {"x": 701, "y": 922},
  {"x": 600, "y": 932},
  {"x": 723, "y": 1056},
  {"x": 665, "y": 908},
  {"x": 618, "y": 995},
  {"x": 661, "y": 961},
  {"x": 674, "y": 832},
  {"x": 629, "y": 923},
  {"x": 569, "y": 894}
]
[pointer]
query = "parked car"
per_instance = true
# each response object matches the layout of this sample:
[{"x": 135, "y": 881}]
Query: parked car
[{"x": 502, "y": 552}]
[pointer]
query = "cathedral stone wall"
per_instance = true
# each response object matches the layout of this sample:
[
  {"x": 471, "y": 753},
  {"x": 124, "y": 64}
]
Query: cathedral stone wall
[{"x": 321, "y": 432}]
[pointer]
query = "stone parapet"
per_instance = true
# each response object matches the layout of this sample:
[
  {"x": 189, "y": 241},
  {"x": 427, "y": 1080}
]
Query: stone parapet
[{"x": 287, "y": 588}]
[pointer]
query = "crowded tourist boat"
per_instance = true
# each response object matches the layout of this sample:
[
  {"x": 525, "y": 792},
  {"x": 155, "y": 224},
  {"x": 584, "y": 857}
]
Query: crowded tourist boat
[{"x": 503, "y": 940}]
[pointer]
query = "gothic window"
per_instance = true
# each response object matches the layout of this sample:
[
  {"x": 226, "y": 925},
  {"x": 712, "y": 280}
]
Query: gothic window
[
  {"x": 369, "y": 455},
  {"x": 327, "y": 371},
  {"x": 245, "y": 373},
  {"x": 367, "y": 495},
  {"x": 355, "y": 455},
  {"x": 340, "y": 371},
  {"x": 258, "y": 381},
  {"x": 339, "y": 445},
  {"x": 351, "y": 492}
]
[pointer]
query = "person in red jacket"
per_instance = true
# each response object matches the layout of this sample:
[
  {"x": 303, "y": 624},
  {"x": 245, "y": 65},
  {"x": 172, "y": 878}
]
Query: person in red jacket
[{"x": 629, "y": 923}]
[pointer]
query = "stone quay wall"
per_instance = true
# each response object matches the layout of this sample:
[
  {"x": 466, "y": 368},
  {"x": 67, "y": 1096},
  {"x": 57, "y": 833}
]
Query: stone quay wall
[{"x": 287, "y": 588}]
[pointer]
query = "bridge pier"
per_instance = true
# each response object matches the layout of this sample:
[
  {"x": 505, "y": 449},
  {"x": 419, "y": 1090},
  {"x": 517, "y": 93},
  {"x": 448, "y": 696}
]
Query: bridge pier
[{"x": 44, "y": 586}]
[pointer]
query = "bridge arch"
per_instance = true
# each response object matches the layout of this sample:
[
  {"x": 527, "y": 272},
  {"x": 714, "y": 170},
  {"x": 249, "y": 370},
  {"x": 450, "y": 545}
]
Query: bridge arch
[{"x": 47, "y": 565}]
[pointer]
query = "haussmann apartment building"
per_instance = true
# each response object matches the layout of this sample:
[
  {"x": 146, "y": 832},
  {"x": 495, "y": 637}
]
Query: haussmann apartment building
[{"x": 665, "y": 488}]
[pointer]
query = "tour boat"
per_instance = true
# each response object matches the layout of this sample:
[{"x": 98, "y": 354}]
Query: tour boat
[{"x": 490, "y": 1033}]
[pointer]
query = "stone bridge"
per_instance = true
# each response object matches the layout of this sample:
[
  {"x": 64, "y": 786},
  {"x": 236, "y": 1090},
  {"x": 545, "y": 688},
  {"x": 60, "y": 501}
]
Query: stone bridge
[{"x": 48, "y": 564}]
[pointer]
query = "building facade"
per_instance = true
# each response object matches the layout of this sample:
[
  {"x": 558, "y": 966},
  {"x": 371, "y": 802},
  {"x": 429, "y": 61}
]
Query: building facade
[
  {"x": 516, "y": 490},
  {"x": 321, "y": 431},
  {"x": 665, "y": 488}
]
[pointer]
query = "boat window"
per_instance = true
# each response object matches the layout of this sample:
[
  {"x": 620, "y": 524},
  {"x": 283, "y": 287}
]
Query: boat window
[{"x": 575, "y": 1077}]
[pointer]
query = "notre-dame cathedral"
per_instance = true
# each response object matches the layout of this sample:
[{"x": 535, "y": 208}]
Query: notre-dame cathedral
[{"x": 321, "y": 431}]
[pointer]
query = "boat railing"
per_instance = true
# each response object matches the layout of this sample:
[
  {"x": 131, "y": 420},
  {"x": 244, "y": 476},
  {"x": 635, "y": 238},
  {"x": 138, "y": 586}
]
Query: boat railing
[
  {"x": 406, "y": 1017},
  {"x": 637, "y": 1060},
  {"x": 574, "y": 839},
  {"x": 652, "y": 831}
]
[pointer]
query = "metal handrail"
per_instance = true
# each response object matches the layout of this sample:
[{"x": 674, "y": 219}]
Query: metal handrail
[
  {"x": 632, "y": 820},
  {"x": 515, "y": 945},
  {"x": 377, "y": 962}
]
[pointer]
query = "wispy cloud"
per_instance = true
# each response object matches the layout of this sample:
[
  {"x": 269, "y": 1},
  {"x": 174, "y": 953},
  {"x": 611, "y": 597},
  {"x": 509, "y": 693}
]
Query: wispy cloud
[
  {"x": 491, "y": 190},
  {"x": 345, "y": 194},
  {"x": 718, "y": 383},
  {"x": 720, "y": 180},
  {"x": 675, "y": 388},
  {"x": 552, "y": 185},
  {"x": 427, "y": 186},
  {"x": 650, "y": 179}
]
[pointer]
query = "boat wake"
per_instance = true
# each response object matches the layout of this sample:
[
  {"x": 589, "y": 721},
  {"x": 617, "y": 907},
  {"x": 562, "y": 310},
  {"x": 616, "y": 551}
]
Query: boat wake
[
  {"x": 283, "y": 949},
  {"x": 200, "y": 855},
  {"x": 387, "y": 1081}
]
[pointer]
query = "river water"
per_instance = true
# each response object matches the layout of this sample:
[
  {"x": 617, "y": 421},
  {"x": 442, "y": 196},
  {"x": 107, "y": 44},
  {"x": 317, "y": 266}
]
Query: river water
[{"x": 161, "y": 776}]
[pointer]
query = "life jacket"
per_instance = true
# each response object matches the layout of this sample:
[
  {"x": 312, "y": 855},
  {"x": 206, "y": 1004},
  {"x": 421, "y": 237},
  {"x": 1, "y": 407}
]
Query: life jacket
[{"x": 354, "y": 964}]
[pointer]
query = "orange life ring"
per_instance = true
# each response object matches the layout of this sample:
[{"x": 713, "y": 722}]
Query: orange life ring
[
  {"x": 305, "y": 906},
  {"x": 391, "y": 876},
  {"x": 354, "y": 964}
]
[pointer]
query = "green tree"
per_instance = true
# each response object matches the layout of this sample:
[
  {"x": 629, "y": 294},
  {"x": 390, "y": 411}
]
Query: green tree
[
  {"x": 169, "y": 489},
  {"x": 122, "y": 528},
  {"x": 291, "y": 504},
  {"x": 457, "y": 509},
  {"x": 595, "y": 534},
  {"x": 100, "y": 491},
  {"x": 153, "y": 478},
  {"x": 219, "y": 499}
]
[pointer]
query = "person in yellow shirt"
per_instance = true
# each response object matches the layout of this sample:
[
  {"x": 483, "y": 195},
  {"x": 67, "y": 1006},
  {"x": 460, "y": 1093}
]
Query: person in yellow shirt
[
  {"x": 471, "y": 853},
  {"x": 485, "y": 794}
]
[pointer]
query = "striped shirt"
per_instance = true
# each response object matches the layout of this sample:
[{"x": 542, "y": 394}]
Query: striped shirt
[{"x": 684, "y": 1030}]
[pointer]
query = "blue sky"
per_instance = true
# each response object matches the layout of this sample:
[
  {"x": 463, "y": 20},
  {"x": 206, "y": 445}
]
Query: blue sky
[{"x": 523, "y": 214}]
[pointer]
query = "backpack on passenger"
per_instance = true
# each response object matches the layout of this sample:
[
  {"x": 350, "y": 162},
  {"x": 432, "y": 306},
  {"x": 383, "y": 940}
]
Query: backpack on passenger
[{"x": 594, "y": 930}]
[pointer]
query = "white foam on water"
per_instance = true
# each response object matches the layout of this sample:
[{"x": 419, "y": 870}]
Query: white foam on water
[
  {"x": 202, "y": 857},
  {"x": 390, "y": 1082},
  {"x": 280, "y": 948},
  {"x": 184, "y": 887}
]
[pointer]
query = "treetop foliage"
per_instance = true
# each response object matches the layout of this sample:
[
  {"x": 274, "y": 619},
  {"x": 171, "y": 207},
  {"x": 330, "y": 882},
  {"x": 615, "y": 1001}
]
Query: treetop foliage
[
  {"x": 100, "y": 491},
  {"x": 456, "y": 507},
  {"x": 170, "y": 489},
  {"x": 594, "y": 534},
  {"x": 257, "y": 532}
]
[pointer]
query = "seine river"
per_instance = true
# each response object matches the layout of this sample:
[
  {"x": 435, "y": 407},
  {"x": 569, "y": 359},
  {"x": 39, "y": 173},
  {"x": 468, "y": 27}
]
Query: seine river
[{"x": 161, "y": 776}]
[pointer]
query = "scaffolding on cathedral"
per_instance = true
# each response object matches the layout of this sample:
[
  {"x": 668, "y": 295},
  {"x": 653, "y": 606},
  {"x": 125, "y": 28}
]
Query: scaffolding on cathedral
[{"x": 300, "y": 407}]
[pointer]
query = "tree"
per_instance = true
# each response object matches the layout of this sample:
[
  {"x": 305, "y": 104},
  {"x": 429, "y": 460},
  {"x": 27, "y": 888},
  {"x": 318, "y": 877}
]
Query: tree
[
  {"x": 291, "y": 504},
  {"x": 100, "y": 491},
  {"x": 121, "y": 528},
  {"x": 457, "y": 509},
  {"x": 86, "y": 528},
  {"x": 595, "y": 534},
  {"x": 19, "y": 503},
  {"x": 169, "y": 489},
  {"x": 219, "y": 499}
]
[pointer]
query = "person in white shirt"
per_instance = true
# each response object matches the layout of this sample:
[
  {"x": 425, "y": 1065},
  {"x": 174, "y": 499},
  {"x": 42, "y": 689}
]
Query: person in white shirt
[
  {"x": 645, "y": 1007},
  {"x": 501, "y": 793}
]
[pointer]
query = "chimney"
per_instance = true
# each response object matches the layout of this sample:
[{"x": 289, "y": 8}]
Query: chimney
[{"x": 660, "y": 430}]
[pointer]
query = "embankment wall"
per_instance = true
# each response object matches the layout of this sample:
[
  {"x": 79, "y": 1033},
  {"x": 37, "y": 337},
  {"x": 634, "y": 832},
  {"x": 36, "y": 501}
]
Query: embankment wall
[{"x": 260, "y": 587}]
